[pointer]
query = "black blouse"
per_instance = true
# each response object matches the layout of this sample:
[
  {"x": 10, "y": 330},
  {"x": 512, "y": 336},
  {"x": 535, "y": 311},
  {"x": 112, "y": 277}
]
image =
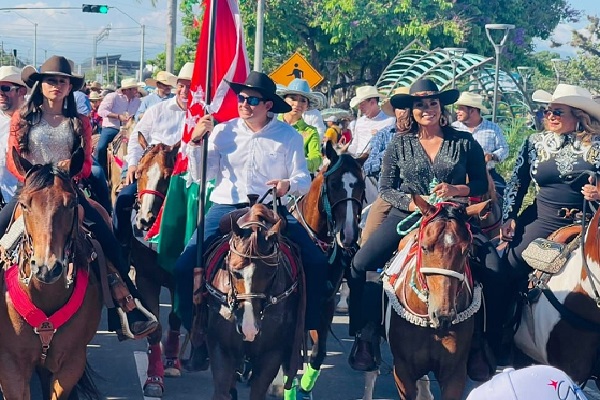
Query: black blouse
[{"x": 407, "y": 169}]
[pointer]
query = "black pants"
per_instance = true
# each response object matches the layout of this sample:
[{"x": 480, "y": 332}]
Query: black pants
[{"x": 8, "y": 210}]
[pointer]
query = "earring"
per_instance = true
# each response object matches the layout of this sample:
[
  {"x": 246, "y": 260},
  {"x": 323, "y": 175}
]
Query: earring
[{"x": 443, "y": 121}]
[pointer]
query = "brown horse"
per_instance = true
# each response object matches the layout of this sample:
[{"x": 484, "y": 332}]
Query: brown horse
[
  {"x": 153, "y": 176},
  {"x": 255, "y": 307},
  {"x": 330, "y": 212},
  {"x": 491, "y": 218},
  {"x": 51, "y": 285},
  {"x": 117, "y": 150},
  {"x": 434, "y": 300}
]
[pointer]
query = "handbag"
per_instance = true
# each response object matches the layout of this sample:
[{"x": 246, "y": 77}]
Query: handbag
[{"x": 546, "y": 255}]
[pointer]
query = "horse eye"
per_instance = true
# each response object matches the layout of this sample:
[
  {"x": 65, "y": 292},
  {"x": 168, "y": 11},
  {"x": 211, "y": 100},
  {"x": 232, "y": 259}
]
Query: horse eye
[
  {"x": 424, "y": 249},
  {"x": 24, "y": 207}
]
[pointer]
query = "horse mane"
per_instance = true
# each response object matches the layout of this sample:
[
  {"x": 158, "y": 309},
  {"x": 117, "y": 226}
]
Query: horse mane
[{"x": 42, "y": 176}]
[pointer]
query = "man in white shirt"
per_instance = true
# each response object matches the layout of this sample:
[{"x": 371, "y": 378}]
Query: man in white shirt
[
  {"x": 161, "y": 123},
  {"x": 250, "y": 155},
  {"x": 372, "y": 119},
  {"x": 12, "y": 97},
  {"x": 164, "y": 83}
]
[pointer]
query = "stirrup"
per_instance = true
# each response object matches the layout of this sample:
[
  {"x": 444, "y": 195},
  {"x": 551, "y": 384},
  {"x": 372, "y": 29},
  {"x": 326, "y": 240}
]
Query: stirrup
[{"x": 125, "y": 330}]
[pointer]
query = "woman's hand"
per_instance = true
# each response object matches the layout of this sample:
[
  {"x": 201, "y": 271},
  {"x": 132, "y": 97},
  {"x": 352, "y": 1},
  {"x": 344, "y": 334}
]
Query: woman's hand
[
  {"x": 507, "y": 231},
  {"x": 203, "y": 126},
  {"x": 445, "y": 190},
  {"x": 590, "y": 192},
  {"x": 131, "y": 174}
]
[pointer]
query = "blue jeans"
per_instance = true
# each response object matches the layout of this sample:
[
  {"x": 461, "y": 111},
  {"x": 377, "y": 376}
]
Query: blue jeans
[
  {"x": 106, "y": 136},
  {"x": 122, "y": 214},
  {"x": 314, "y": 262}
]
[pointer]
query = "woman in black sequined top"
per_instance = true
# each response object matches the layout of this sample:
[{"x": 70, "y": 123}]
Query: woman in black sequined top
[
  {"x": 425, "y": 151},
  {"x": 570, "y": 142}
]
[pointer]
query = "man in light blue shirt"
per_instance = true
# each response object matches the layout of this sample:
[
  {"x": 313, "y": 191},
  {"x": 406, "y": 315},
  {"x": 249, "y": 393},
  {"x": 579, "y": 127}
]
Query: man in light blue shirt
[
  {"x": 164, "y": 83},
  {"x": 488, "y": 134}
]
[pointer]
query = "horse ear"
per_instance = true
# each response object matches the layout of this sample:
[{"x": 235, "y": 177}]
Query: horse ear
[
  {"x": 423, "y": 205},
  {"x": 23, "y": 165},
  {"x": 175, "y": 147},
  {"x": 275, "y": 229},
  {"x": 76, "y": 162},
  {"x": 142, "y": 140},
  {"x": 330, "y": 152},
  {"x": 479, "y": 209}
]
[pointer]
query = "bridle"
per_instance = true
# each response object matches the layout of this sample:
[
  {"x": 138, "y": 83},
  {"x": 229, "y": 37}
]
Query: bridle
[{"x": 143, "y": 192}]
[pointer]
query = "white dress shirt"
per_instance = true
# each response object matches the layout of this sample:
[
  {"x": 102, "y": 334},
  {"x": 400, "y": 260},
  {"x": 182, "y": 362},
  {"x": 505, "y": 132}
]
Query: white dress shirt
[
  {"x": 242, "y": 161},
  {"x": 161, "y": 123},
  {"x": 314, "y": 118},
  {"x": 8, "y": 182},
  {"x": 363, "y": 130}
]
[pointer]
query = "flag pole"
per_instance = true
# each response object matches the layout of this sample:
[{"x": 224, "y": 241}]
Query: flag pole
[{"x": 208, "y": 90}]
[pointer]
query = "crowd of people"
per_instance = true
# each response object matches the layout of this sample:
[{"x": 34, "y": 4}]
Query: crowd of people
[{"x": 410, "y": 143}]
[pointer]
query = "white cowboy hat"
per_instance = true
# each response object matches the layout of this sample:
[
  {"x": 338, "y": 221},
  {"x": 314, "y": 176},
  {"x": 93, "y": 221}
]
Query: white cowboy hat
[
  {"x": 129, "y": 83},
  {"x": 569, "y": 95},
  {"x": 387, "y": 107},
  {"x": 301, "y": 87},
  {"x": 363, "y": 93},
  {"x": 538, "y": 382},
  {"x": 185, "y": 72},
  {"x": 94, "y": 96},
  {"x": 164, "y": 77},
  {"x": 473, "y": 100},
  {"x": 12, "y": 74}
]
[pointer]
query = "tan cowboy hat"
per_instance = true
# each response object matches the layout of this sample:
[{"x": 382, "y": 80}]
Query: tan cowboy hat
[
  {"x": 472, "y": 100},
  {"x": 185, "y": 72},
  {"x": 164, "y": 77},
  {"x": 55, "y": 65},
  {"x": 95, "y": 96},
  {"x": 128, "y": 83},
  {"x": 387, "y": 107},
  {"x": 569, "y": 95},
  {"x": 301, "y": 87},
  {"x": 363, "y": 93},
  {"x": 11, "y": 74},
  {"x": 95, "y": 85},
  {"x": 424, "y": 89}
]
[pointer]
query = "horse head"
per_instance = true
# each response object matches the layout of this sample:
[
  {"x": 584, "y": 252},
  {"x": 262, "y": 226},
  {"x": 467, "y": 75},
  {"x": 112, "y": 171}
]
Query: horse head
[
  {"x": 442, "y": 267},
  {"x": 49, "y": 204},
  {"x": 490, "y": 218},
  {"x": 253, "y": 261},
  {"x": 153, "y": 176},
  {"x": 342, "y": 193}
]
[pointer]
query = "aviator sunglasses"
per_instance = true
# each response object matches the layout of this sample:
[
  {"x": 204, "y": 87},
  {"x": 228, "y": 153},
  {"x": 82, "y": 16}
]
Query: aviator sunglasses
[
  {"x": 252, "y": 100},
  {"x": 7, "y": 88},
  {"x": 556, "y": 113}
]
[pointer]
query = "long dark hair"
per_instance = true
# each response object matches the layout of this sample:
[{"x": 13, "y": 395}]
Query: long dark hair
[{"x": 31, "y": 115}]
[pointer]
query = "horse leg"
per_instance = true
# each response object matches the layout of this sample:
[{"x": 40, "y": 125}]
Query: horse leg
[
  {"x": 370, "y": 379},
  {"x": 14, "y": 379},
  {"x": 342, "y": 305},
  {"x": 452, "y": 382},
  {"x": 171, "y": 347},
  {"x": 65, "y": 380},
  {"x": 424, "y": 389},
  {"x": 223, "y": 367},
  {"x": 267, "y": 367},
  {"x": 154, "y": 385},
  {"x": 407, "y": 388}
]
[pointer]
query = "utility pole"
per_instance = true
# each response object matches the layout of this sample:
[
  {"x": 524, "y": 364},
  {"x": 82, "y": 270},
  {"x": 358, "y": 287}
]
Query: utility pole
[
  {"x": 258, "y": 36},
  {"x": 171, "y": 33}
]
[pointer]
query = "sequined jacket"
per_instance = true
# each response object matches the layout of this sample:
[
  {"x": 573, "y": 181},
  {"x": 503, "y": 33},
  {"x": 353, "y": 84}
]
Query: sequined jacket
[
  {"x": 546, "y": 159},
  {"x": 86, "y": 141}
]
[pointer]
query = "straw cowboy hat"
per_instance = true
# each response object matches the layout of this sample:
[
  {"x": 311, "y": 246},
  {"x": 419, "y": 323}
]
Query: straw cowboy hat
[
  {"x": 186, "y": 72},
  {"x": 55, "y": 65},
  {"x": 424, "y": 89},
  {"x": 538, "y": 382},
  {"x": 569, "y": 95},
  {"x": 95, "y": 86},
  {"x": 387, "y": 107},
  {"x": 472, "y": 100},
  {"x": 164, "y": 77},
  {"x": 11, "y": 74},
  {"x": 95, "y": 96},
  {"x": 363, "y": 93},
  {"x": 129, "y": 83},
  {"x": 301, "y": 87},
  {"x": 266, "y": 87}
]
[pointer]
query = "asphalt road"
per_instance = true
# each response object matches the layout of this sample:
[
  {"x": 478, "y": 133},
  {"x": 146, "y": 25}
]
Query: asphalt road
[{"x": 121, "y": 367}]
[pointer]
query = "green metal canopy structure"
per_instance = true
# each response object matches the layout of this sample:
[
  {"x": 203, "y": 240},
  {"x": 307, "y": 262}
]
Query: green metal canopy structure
[{"x": 466, "y": 72}]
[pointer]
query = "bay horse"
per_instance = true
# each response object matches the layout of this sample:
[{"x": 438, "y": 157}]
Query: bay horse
[
  {"x": 433, "y": 300},
  {"x": 255, "y": 303},
  {"x": 331, "y": 212},
  {"x": 117, "y": 150},
  {"x": 153, "y": 176},
  {"x": 51, "y": 305},
  {"x": 561, "y": 327}
]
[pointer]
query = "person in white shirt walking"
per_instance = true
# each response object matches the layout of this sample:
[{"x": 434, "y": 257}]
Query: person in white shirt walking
[
  {"x": 161, "y": 123},
  {"x": 372, "y": 119},
  {"x": 250, "y": 155},
  {"x": 12, "y": 97}
]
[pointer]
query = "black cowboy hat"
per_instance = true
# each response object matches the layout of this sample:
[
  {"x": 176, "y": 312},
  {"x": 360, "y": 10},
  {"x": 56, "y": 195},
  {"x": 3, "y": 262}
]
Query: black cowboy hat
[
  {"x": 55, "y": 65},
  {"x": 266, "y": 87},
  {"x": 424, "y": 89}
]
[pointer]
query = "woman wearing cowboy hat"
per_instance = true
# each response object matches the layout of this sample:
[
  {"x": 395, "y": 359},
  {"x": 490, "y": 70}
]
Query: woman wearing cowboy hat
[
  {"x": 48, "y": 129},
  {"x": 301, "y": 99},
  {"x": 424, "y": 151}
]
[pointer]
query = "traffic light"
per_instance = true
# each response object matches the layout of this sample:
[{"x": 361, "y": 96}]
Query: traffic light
[{"x": 94, "y": 8}]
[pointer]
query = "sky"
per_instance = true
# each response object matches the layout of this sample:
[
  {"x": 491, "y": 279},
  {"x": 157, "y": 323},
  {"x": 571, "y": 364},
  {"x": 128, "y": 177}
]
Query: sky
[{"x": 71, "y": 33}]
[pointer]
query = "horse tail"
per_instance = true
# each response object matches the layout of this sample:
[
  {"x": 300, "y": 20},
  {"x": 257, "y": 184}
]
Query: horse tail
[{"x": 86, "y": 388}]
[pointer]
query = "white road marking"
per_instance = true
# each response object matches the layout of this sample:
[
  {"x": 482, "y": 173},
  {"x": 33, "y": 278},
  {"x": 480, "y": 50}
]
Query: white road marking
[{"x": 141, "y": 363}]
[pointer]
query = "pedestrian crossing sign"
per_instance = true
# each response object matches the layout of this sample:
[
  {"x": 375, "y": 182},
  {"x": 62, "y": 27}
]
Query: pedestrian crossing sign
[{"x": 296, "y": 67}]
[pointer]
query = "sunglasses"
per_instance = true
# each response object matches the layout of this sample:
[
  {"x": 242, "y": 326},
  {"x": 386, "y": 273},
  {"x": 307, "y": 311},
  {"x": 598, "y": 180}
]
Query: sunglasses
[
  {"x": 7, "y": 88},
  {"x": 252, "y": 100},
  {"x": 556, "y": 113}
]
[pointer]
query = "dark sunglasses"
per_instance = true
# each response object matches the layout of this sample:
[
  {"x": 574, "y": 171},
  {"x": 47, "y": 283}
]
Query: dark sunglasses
[
  {"x": 556, "y": 113},
  {"x": 252, "y": 100},
  {"x": 7, "y": 88}
]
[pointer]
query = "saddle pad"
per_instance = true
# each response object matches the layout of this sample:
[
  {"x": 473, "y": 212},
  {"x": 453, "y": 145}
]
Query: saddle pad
[{"x": 11, "y": 238}]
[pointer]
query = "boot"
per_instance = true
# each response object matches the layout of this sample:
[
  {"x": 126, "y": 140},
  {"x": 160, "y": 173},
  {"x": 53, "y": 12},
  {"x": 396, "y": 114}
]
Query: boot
[
  {"x": 366, "y": 353},
  {"x": 482, "y": 363},
  {"x": 136, "y": 321}
]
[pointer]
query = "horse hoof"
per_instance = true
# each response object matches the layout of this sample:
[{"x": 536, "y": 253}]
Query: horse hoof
[
  {"x": 154, "y": 387},
  {"x": 172, "y": 368}
]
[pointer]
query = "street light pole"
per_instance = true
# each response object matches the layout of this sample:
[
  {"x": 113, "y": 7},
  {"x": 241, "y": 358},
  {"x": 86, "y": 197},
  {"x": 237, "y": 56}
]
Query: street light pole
[
  {"x": 258, "y": 37},
  {"x": 525, "y": 73},
  {"x": 453, "y": 54},
  {"x": 143, "y": 38},
  {"x": 103, "y": 34},
  {"x": 35, "y": 25},
  {"x": 505, "y": 29}
]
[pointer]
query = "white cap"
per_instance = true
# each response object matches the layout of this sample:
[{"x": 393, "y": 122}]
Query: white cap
[{"x": 538, "y": 382}]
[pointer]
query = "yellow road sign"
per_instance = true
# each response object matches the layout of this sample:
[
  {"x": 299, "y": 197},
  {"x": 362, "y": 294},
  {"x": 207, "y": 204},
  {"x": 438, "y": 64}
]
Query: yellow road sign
[{"x": 296, "y": 67}]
